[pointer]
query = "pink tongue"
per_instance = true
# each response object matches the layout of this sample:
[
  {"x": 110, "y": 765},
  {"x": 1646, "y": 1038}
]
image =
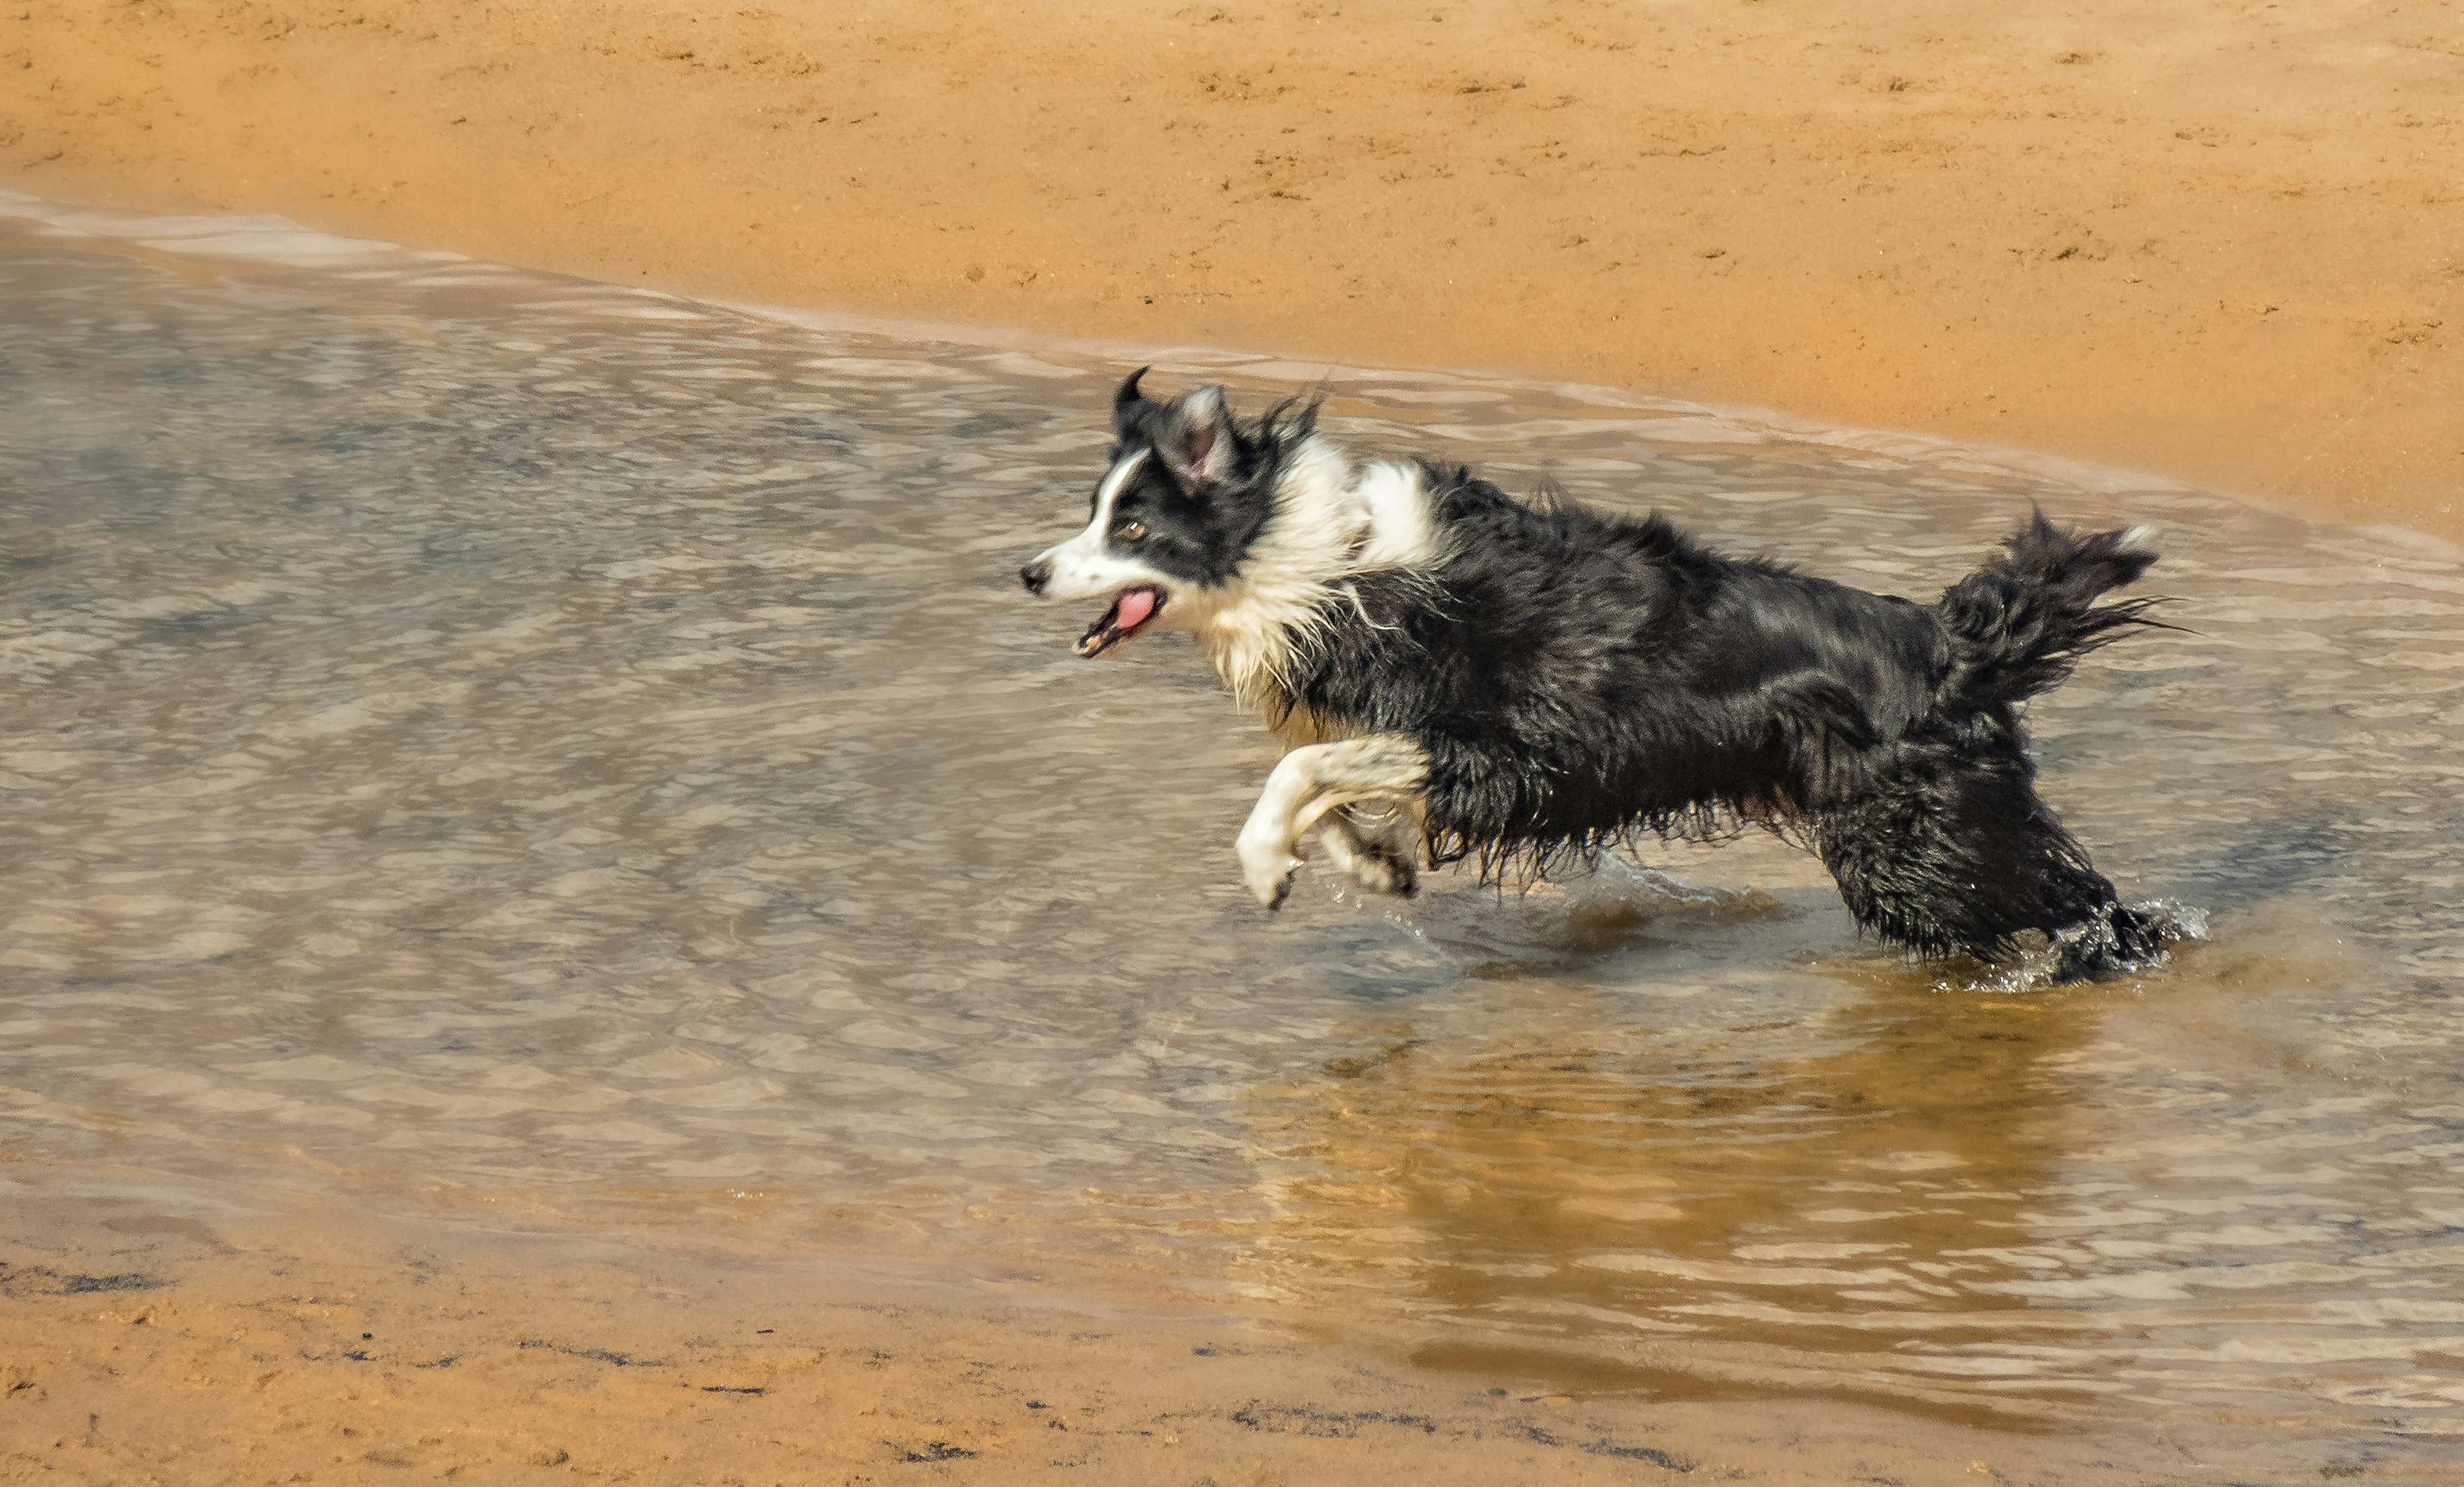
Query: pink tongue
[{"x": 1135, "y": 606}]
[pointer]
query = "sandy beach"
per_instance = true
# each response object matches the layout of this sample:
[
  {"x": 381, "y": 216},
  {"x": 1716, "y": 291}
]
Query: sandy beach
[{"x": 2219, "y": 241}]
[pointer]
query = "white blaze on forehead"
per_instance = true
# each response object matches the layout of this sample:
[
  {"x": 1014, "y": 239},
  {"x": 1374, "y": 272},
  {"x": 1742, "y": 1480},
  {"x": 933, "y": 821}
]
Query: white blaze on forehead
[
  {"x": 1108, "y": 492},
  {"x": 1086, "y": 566}
]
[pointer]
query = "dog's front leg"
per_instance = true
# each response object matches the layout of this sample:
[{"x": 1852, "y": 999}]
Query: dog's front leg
[
  {"x": 1378, "y": 844},
  {"x": 1310, "y": 781}
]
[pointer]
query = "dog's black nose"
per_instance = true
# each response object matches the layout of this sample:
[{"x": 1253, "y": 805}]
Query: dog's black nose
[{"x": 1035, "y": 575}]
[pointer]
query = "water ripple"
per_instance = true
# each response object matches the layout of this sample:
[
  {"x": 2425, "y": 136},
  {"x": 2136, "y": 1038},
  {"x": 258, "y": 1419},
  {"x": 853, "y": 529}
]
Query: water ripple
[{"x": 480, "y": 729}]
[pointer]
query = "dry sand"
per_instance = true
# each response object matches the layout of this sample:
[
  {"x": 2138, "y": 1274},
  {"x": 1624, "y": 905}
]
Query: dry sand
[
  {"x": 2219, "y": 240},
  {"x": 157, "y": 1342}
]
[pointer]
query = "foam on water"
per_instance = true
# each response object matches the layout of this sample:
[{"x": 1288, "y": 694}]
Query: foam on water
[{"x": 475, "y": 730}]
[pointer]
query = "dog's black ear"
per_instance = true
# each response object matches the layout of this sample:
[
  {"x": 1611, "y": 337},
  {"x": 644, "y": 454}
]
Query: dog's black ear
[
  {"x": 1198, "y": 442},
  {"x": 1128, "y": 404}
]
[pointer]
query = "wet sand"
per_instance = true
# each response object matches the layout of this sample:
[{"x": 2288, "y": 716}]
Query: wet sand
[
  {"x": 2219, "y": 241},
  {"x": 154, "y": 1337}
]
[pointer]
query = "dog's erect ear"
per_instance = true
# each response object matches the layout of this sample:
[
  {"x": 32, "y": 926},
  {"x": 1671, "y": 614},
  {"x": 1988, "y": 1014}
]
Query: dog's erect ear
[
  {"x": 1128, "y": 404},
  {"x": 1198, "y": 442}
]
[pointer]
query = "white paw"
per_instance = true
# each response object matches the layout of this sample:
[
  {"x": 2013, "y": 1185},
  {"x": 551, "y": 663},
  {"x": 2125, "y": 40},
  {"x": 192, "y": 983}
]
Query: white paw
[{"x": 1268, "y": 866}]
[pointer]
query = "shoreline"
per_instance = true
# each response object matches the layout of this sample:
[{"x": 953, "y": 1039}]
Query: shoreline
[
  {"x": 905, "y": 169},
  {"x": 269, "y": 242},
  {"x": 276, "y": 244}
]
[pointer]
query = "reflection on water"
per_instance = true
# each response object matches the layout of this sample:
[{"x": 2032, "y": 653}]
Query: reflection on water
[
  {"x": 473, "y": 729},
  {"x": 1905, "y": 1191}
]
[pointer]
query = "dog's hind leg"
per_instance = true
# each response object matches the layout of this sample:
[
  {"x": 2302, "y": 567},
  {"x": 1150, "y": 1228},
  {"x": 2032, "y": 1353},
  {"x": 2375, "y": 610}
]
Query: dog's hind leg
[
  {"x": 1953, "y": 852},
  {"x": 1308, "y": 783},
  {"x": 1378, "y": 844}
]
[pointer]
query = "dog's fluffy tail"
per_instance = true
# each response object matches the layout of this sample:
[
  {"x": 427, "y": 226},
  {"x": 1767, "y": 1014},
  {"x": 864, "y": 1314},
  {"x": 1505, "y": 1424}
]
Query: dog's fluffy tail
[{"x": 2020, "y": 624}]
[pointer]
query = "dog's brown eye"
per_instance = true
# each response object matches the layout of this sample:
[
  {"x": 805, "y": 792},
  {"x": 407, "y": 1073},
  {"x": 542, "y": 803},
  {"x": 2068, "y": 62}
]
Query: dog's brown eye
[{"x": 1132, "y": 530}]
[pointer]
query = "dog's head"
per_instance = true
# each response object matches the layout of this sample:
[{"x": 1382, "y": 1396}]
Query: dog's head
[{"x": 1185, "y": 494}]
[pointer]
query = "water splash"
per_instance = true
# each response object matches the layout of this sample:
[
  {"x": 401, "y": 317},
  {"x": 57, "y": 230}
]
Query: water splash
[{"x": 2053, "y": 959}]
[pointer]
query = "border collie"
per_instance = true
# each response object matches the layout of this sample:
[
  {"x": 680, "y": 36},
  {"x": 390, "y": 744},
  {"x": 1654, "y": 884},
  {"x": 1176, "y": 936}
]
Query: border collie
[{"x": 1458, "y": 674}]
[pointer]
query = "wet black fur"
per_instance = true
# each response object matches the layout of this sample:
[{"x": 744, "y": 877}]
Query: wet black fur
[{"x": 1580, "y": 679}]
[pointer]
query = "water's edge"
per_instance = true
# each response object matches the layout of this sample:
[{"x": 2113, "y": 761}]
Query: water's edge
[{"x": 276, "y": 240}]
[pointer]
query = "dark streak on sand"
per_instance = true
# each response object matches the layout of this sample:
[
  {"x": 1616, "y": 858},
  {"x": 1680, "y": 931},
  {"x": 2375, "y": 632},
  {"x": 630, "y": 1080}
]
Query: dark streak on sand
[
  {"x": 596, "y": 1354},
  {"x": 938, "y": 1450},
  {"x": 1607, "y": 1448},
  {"x": 1301, "y": 1420},
  {"x": 22, "y": 1281}
]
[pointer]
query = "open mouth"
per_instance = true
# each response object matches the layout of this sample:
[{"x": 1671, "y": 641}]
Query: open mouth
[{"x": 1131, "y": 611}]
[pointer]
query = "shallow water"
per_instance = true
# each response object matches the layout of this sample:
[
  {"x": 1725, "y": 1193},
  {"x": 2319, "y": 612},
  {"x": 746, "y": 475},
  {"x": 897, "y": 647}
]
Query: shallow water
[{"x": 479, "y": 732}]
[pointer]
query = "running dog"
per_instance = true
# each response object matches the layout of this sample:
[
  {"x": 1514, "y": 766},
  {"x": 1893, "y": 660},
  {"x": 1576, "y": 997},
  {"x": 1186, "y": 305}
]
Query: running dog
[{"x": 1461, "y": 674}]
